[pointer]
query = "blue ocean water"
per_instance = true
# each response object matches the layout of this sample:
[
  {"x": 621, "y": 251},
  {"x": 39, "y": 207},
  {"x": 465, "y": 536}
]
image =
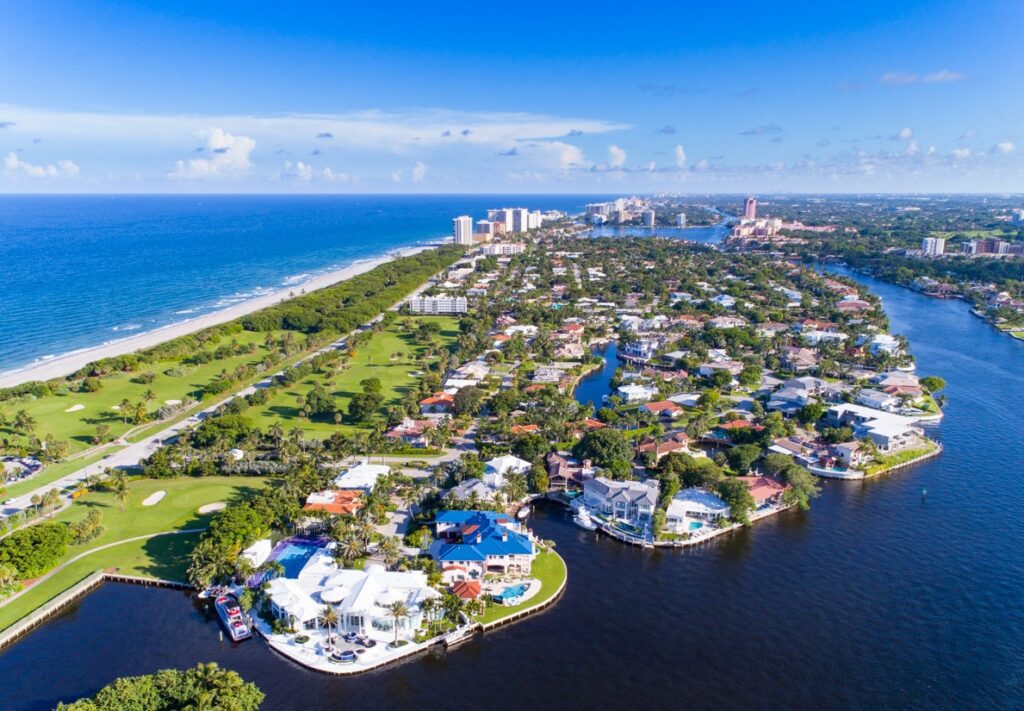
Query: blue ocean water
[{"x": 84, "y": 270}]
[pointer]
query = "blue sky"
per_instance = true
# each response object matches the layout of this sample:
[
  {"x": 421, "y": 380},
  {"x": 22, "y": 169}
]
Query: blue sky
[{"x": 531, "y": 97}]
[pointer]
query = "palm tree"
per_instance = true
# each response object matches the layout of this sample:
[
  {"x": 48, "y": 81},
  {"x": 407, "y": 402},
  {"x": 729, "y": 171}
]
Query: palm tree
[
  {"x": 276, "y": 433},
  {"x": 24, "y": 422},
  {"x": 365, "y": 531},
  {"x": 397, "y": 611},
  {"x": 349, "y": 548},
  {"x": 330, "y": 619},
  {"x": 390, "y": 551},
  {"x": 430, "y": 606},
  {"x": 120, "y": 488}
]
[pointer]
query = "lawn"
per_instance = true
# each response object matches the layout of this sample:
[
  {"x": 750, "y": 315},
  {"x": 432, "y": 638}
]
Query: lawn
[
  {"x": 893, "y": 460},
  {"x": 374, "y": 359},
  {"x": 78, "y": 427},
  {"x": 550, "y": 569},
  {"x": 163, "y": 556}
]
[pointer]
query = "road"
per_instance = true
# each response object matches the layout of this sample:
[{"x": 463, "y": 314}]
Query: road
[{"x": 134, "y": 453}]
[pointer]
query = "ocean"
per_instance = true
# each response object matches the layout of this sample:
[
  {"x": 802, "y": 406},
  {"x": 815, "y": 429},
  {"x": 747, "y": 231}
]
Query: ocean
[{"x": 80, "y": 271}]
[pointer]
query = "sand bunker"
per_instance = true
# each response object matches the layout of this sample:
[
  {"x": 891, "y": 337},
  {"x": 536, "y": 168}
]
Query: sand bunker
[
  {"x": 172, "y": 402},
  {"x": 209, "y": 508},
  {"x": 154, "y": 498},
  {"x": 75, "y": 408},
  {"x": 115, "y": 407}
]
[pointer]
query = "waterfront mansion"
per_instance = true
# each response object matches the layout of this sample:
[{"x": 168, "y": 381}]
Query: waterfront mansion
[
  {"x": 632, "y": 501},
  {"x": 470, "y": 544},
  {"x": 361, "y": 598}
]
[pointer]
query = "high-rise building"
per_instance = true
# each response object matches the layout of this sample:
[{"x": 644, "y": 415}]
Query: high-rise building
[
  {"x": 750, "y": 209},
  {"x": 535, "y": 220},
  {"x": 681, "y": 219},
  {"x": 933, "y": 246},
  {"x": 485, "y": 229},
  {"x": 462, "y": 229},
  {"x": 1018, "y": 215},
  {"x": 520, "y": 219},
  {"x": 649, "y": 218}
]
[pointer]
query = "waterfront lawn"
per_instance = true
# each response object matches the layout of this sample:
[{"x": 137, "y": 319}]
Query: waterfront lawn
[
  {"x": 550, "y": 570},
  {"x": 371, "y": 360},
  {"x": 888, "y": 461},
  {"x": 159, "y": 557},
  {"x": 79, "y": 427}
]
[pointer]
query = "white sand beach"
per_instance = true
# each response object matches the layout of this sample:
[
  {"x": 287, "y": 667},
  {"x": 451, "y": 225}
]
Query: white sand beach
[{"x": 69, "y": 363}]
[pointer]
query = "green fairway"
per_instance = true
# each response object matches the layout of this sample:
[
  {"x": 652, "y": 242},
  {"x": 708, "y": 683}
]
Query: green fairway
[
  {"x": 56, "y": 414},
  {"x": 161, "y": 557},
  {"x": 373, "y": 359}
]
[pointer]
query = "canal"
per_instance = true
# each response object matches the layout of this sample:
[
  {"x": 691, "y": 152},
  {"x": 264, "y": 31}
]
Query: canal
[{"x": 878, "y": 597}]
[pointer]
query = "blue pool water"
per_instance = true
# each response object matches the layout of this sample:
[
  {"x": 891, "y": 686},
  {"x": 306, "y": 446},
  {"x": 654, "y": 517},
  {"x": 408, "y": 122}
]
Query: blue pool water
[
  {"x": 294, "y": 557},
  {"x": 694, "y": 525},
  {"x": 512, "y": 592}
]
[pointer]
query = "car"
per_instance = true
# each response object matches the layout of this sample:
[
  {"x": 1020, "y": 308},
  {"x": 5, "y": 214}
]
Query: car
[{"x": 9, "y": 502}]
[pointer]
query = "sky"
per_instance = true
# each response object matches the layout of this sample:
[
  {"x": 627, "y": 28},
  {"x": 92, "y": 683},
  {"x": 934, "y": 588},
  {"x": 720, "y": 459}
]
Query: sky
[{"x": 176, "y": 97}]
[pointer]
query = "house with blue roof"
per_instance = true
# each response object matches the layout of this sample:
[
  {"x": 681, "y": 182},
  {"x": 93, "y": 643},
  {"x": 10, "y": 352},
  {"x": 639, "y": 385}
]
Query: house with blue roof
[{"x": 471, "y": 544}]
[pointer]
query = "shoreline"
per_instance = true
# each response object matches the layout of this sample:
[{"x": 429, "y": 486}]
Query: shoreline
[{"x": 67, "y": 363}]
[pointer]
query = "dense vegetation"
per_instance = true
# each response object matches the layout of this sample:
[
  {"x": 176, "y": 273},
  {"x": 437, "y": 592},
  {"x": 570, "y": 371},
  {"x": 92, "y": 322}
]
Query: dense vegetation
[
  {"x": 36, "y": 549},
  {"x": 205, "y": 687}
]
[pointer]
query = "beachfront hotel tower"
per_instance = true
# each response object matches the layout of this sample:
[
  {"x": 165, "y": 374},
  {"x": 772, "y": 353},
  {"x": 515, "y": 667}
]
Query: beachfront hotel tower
[{"x": 462, "y": 229}]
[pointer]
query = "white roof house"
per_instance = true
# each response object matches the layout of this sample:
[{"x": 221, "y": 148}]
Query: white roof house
[
  {"x": 508, "y": 463},
  {"x": 695, "y": 503},
  {"x": 258, "y": 552},
  {"x": 362, "y": 476},
  {"x": 636, "y": 393},
  {"x": 360, "y": 597}
]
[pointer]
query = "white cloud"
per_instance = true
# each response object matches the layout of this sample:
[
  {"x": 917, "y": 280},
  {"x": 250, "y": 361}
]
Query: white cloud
[
  {"x": 966, "y": 135},
  {"x": 898, "y": 78},
  {"x": 943, "y": 75},
  {"x": 332, "y": 176},
  {"x": 419, "y": 171},
  {"x": 229, "y": 155},
  {"x": 554, "y": 155},
  {"x": 912, "y": 148},
  {"x": 703, "y": 164},
  {"x": 616, "y": 157},
  {"x": 961, "y": 153},
  {"x": 680, "y": 157},
  {"x": 15, "y": 166},
  {"x": 396, "y": 176},
  {"x": 296, "y": 171},
  {"x": 1004, "y": 147},
  {"x": 906, "y": 133}
]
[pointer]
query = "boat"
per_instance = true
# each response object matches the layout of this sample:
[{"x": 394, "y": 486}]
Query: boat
[
  {"x": 583, "y": 520},
  {"x": 523, "y": 512},
  {"x": 231, "y": 618}
]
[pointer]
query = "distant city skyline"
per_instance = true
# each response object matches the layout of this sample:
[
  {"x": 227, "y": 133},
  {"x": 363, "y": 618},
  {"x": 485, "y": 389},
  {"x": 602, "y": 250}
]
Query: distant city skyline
[{"x": 735, "y": 98}]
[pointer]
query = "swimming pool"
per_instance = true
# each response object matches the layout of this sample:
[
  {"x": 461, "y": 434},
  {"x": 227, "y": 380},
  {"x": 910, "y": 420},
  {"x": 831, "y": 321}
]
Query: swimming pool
[
  {"x": 695, "y": 525},
  {"x": 511, "y": 593},
  {"x": 293, "y": 557}
]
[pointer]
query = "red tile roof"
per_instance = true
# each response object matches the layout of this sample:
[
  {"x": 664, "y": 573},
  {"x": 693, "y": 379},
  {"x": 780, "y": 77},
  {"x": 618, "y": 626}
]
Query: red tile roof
[
  {"x": 762, "y": 488},
  {"x": 467, "y": 589},
  {"x": 345, "y": 502}
]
